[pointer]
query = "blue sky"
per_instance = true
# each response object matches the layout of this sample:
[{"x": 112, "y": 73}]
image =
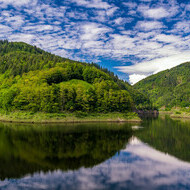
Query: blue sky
[{"x": 133, "y": 38}]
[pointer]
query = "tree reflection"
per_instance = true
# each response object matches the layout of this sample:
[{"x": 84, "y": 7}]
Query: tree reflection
[
  {"x": 25, "y": 149},
  {"x": 167, "y": 135}
]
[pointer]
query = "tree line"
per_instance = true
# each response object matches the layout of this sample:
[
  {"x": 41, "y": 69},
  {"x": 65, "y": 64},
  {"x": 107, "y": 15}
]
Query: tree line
[{"x": 32, "y": 79}]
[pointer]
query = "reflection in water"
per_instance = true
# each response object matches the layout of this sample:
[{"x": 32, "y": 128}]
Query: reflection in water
[
  {"x": 96, "y": 157},
  {"x": 134, "y": 168},
  {"x": 167, "y": 135},
  {"x": 28, "y": 149}
]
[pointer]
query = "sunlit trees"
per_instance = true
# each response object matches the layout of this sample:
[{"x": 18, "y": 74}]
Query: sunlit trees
[{"x": 32, "y": 79}]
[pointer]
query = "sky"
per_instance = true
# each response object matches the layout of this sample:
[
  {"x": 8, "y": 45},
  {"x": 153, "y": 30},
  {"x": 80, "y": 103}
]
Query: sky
[{"x": 132, "y": 38}]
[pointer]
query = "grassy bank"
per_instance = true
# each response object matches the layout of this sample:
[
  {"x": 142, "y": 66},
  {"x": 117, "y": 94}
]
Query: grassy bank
[
  {"x": 76, "y": 117},
  {"x": 177, "y": 112}
]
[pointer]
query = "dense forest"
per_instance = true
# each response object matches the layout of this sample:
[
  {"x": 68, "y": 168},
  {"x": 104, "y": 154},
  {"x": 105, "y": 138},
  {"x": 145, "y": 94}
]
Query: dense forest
[
  {"x": 35, "y": 80},
  {"x": 170, "y": 88}
]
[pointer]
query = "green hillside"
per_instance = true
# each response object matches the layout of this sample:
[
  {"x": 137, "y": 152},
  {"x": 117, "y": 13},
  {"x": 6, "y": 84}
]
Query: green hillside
[
  {"x": 168, "y": 88},
  {"x": 35, "y": 80}
]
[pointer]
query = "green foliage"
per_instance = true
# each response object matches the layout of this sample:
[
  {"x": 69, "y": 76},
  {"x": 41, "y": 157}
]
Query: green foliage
[
  {"x": 56, "y": 75},
  {"x": 6, "y": 98},
  {"x": 32, "y": 79},
  {"x": 170, "y": 88},
  {"x": 141, "y": 100}
]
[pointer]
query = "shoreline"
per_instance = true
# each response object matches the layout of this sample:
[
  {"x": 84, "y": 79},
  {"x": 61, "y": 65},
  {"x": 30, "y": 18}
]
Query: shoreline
[
  {"x": 44, "y": 118},
  {"x": 176, "y": 114},
  {"x": 71, "y": 121}
]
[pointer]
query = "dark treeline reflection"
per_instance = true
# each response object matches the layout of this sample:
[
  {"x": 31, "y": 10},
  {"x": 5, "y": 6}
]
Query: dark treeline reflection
[
  {"x": 167, "y": 135},
  {"x": 25, "y": 149}
]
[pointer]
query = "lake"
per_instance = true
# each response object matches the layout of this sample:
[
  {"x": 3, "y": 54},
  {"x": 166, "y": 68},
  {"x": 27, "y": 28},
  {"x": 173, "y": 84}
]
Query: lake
[{"x": 152, "y": 155}]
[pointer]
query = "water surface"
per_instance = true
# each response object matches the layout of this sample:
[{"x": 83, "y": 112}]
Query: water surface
[{"x": 152, "y": 155}]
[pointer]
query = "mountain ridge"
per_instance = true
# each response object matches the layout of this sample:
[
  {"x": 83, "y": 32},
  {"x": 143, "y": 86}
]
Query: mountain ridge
[
  {"x": 32, "y": 79},
  {"x": 169, "y": 88}
]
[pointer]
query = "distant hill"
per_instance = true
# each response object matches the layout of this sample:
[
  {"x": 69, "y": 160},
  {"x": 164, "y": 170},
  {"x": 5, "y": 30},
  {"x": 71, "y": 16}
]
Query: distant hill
[
  {"x": 35, "y": 80},
  {"x": 168, "y": 88}
]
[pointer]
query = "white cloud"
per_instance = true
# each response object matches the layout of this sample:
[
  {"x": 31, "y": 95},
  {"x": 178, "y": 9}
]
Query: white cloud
[
  {"x": 152, "y": 67},
  {"x": 15, "y": 21},
  {"x": 167, "y": 38},
  {"x": 183, "y": 26},
  {"x": 93, "y": 44},
  {"x": 6, "y": 13},
  {"x": 160, "y": 11},
  {"x": 130, "y": 5},
  {"x": 121, "y": 42},
  {"x": 4, "y": 29},
  {"x": 100, "y": 16},
  {"x": 47, "y": 13},
  {"x": 134, "y": 78},
  {"x": 77, "y": 15},
  {"x": 118, "y": 20},
  {"x": 41, "y": 28},
  {"x": 21, "y": 37},
  {"x": 149, "y": 25},
  {"x": 18, "y": 2},
  {"x": 156, "y": 13},
  {"x": 99, "y": 4},
  {"x": 111, "y": 11},
  {"x": 93, "y": 31}
]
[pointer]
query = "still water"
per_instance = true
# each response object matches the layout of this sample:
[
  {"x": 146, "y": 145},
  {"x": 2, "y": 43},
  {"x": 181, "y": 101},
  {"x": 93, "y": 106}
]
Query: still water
[{"x": 152, "y": 155}]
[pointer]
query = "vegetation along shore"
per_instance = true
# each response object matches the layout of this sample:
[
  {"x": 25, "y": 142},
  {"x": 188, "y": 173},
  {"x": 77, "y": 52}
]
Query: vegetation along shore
[
  {"x": 76, "y": 117},
  {"x": 57, "y": 89},
  {"x": 37, "y": 86}
]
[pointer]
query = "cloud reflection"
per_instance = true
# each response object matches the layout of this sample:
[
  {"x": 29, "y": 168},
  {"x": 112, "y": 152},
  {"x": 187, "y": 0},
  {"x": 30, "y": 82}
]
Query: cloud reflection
[{"x": 138, "y": 166}]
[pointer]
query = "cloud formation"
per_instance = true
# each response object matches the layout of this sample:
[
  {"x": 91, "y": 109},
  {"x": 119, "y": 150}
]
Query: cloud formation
[
  {"x": 134, "y": 37},
  {"x": 99, "y": 4}
]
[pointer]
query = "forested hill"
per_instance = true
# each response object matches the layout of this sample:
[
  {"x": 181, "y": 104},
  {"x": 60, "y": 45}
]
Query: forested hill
[
  {"x": 168, "y": 88},
  {"x": 35, "y": 80}
]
